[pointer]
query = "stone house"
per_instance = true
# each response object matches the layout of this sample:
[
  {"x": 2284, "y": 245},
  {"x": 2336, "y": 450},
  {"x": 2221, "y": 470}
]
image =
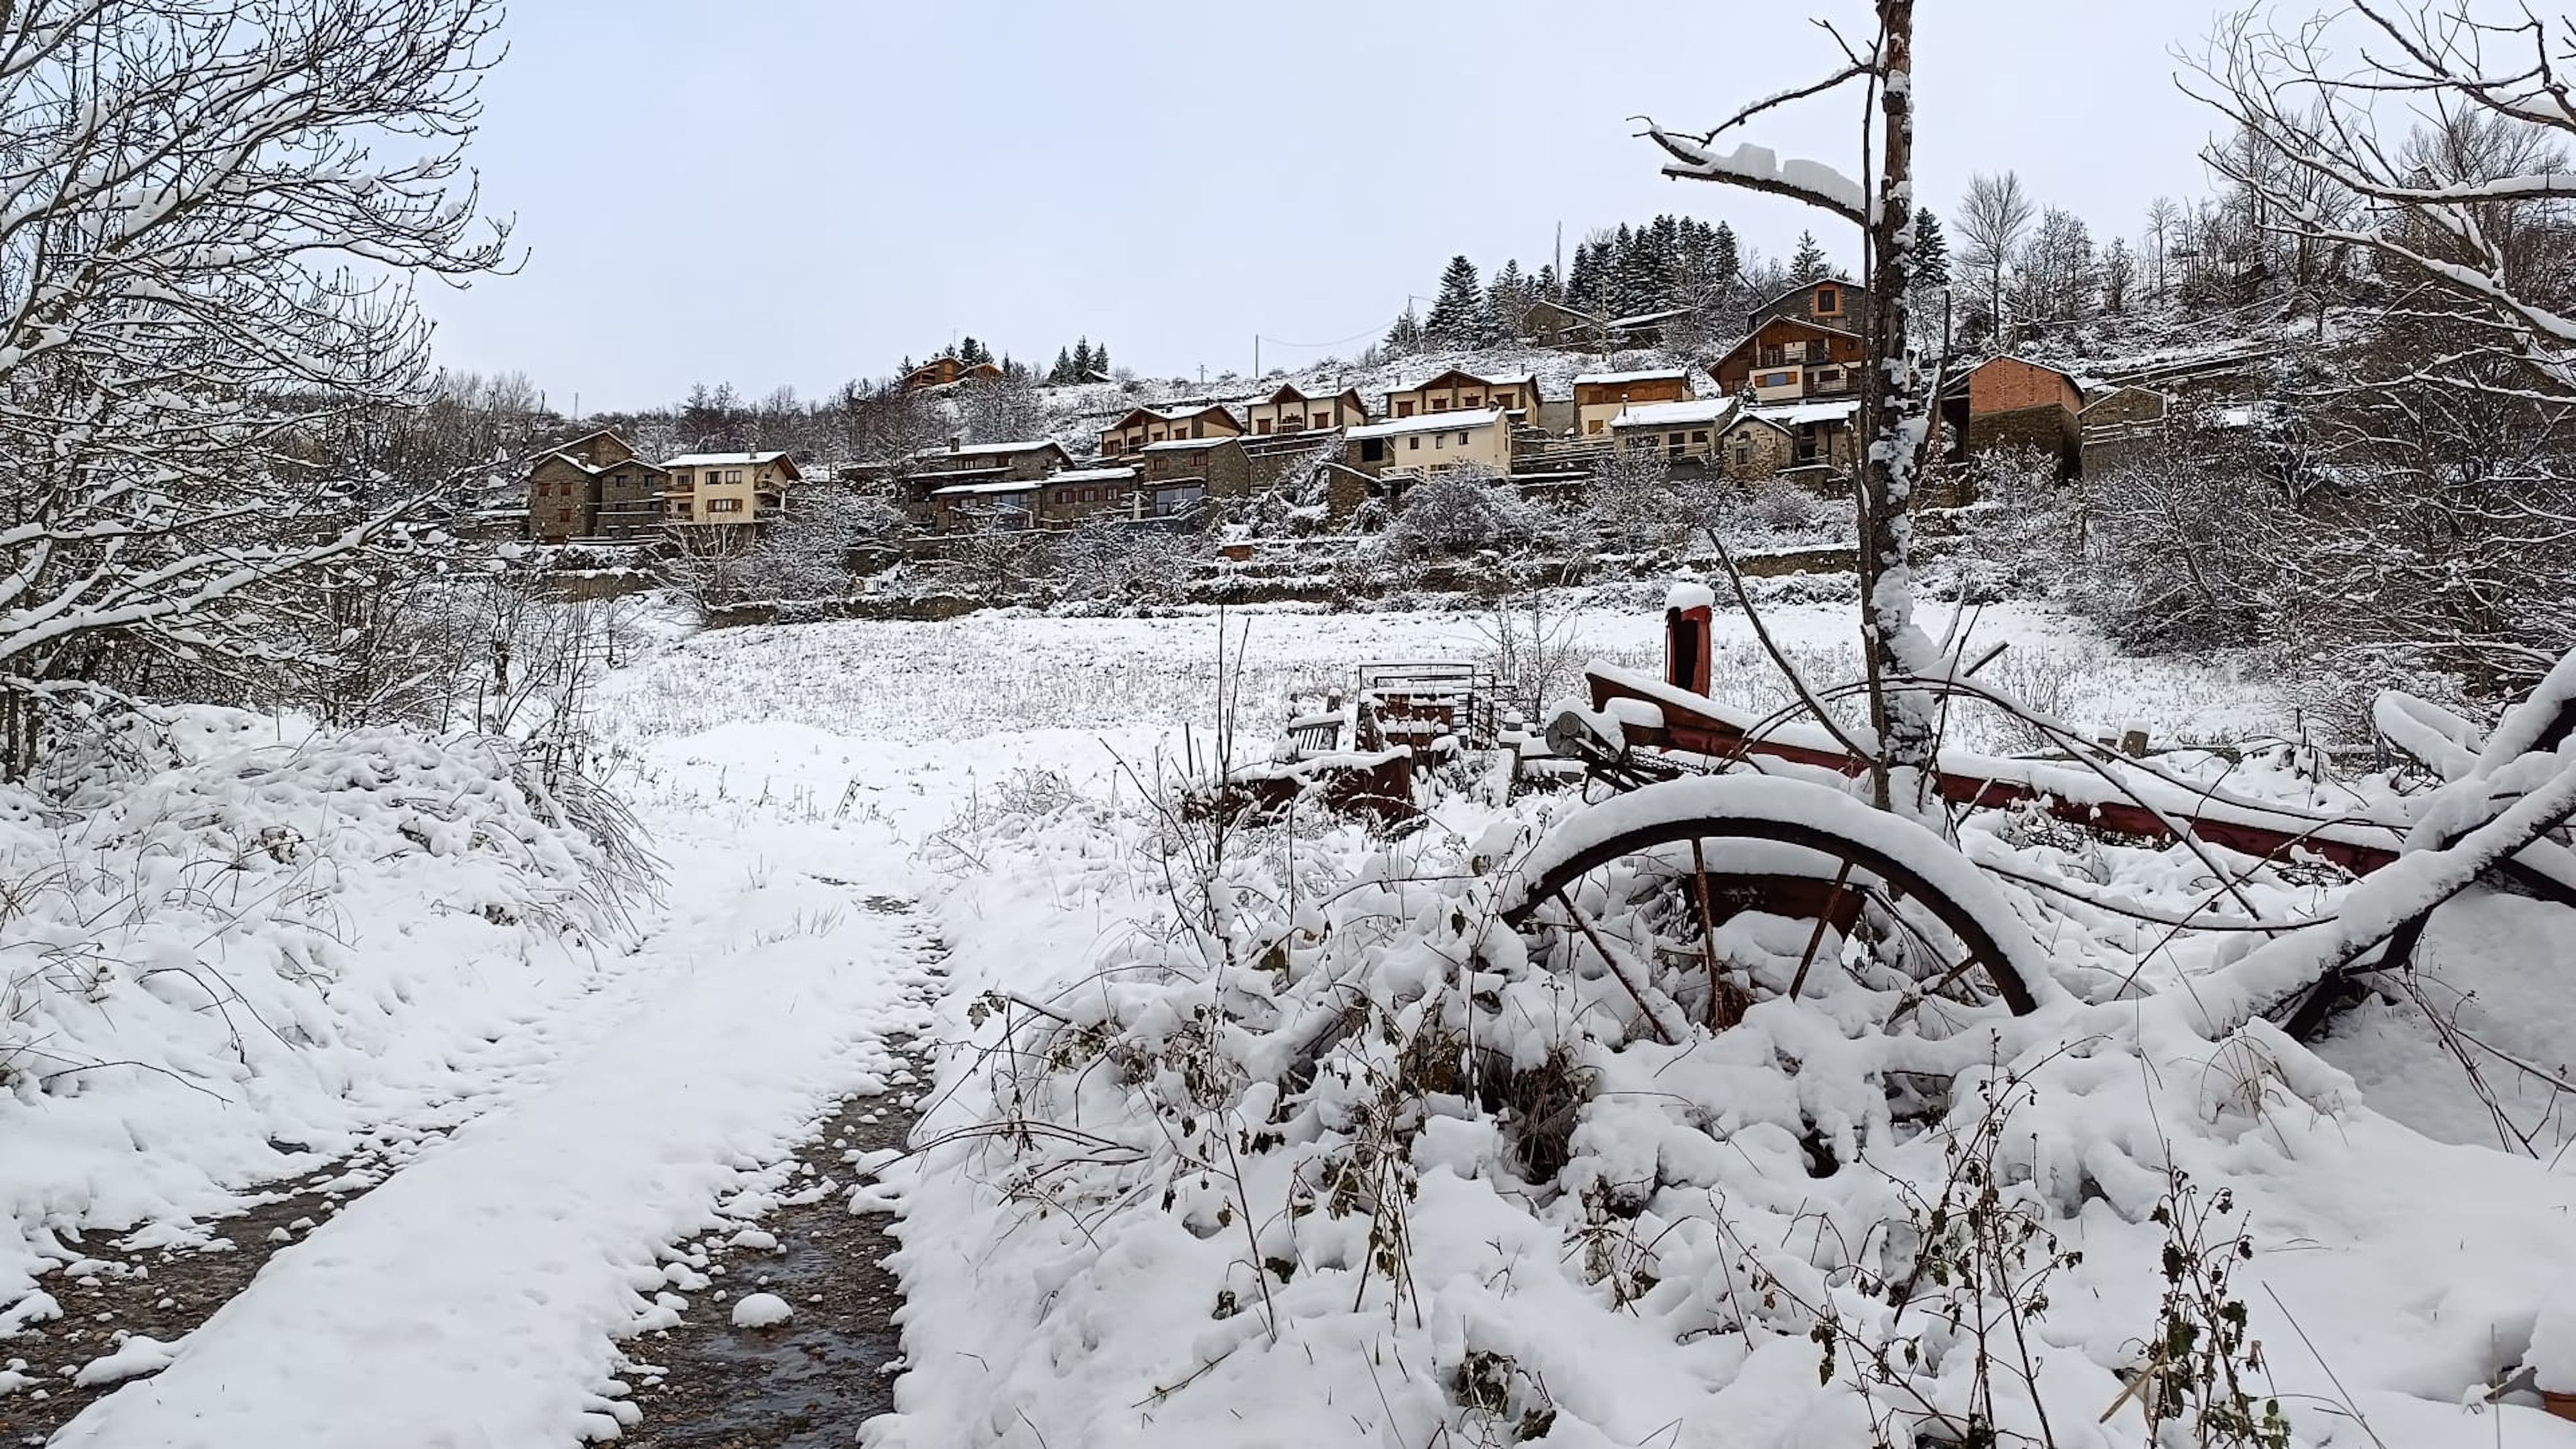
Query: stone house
[
  {"x": 1145, "y": 427},
  {"x": 1830, "y": 302},
  {"x": 1292, "y": 409},
  {"x": 1006, "y": 504},
  {"x": 1431, "y": 443},
  {"x": 1752, "y": 447},
  {"x": 2117, "y": 425},
  {"x": 1600, "y": 397},
  {"x": 960, "y": 464},
  {"x": 1823, "y": 440},
  {"x": 1081, "y": 494},
  {"x": 2013, "y": 402},
  {"x": 1788, "y": 359},
  {"x": 631, "y": 501},
  {"x": 1175, "y": 475},
  {"x": 1684, "y": 432},
  {"x": 564, "y": 486},
  {"x": 710, "y": 489},
  {"x": 1457, "y": 391}
]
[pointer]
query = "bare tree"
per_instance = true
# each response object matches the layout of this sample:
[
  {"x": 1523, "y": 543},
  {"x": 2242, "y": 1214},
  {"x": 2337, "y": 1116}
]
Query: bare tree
[
  {"x": 1993, "y": 218},
  {"x": 2311, "y": 131},
  {"x": 215, "y": 209},
  {"x": 2163, "y": 220},
  {"x": 1896, "y": 398}
]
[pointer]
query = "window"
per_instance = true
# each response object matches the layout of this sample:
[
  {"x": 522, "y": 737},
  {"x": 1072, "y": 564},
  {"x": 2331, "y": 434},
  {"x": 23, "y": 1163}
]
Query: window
[
  {"x": 1474, "y": 402},
  {"x": 724, "y": 505},
  {"x": 1441, "y": 440},
  {"x": 1828, "y": 300},
  {"x": 1372, "y": 450},
  {"x": 1700, "y": 436},
  {"x": 1744, "y": 452},
  {"x": 1261, "y": 426},
  {"x": 1317, "y": 421},
  {"x": 1090, "y": 495},
  {"x": 1593, "y": 426},
  {"x": 1674, "y": 440},
  {"x": 1440, "y": 404},
  {"x": 1109, "y": 447},
  {"x": 1404, "y": 410},
  {"x": 1414, "y": 443}
]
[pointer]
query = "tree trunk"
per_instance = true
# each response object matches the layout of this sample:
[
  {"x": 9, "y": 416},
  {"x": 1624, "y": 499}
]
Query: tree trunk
[{"x": 1894, "y": 419}]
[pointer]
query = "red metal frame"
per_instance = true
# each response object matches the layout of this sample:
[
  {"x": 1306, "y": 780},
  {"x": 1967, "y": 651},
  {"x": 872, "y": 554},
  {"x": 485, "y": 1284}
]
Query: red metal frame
[{"x": 1694, "y": 724}]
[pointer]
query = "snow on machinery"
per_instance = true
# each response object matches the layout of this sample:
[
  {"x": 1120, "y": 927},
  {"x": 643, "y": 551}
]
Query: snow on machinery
[{"x": 1721, "y": 814}]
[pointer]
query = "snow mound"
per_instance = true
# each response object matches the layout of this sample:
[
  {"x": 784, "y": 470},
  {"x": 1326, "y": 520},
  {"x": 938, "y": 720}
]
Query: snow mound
[
  {"x": 225, "y": 934},
  {"x": 762, "y": 1310},
  {"x": 138, "y": 1355}
]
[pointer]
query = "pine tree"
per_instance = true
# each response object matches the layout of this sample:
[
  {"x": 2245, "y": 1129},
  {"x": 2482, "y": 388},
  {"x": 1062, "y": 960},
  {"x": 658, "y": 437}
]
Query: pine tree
[
  {"x": 1583, "y": 279},
  {"x": 1458, "y": 317},
  {"x": 1548, "y": 287},
  {"x": 1062, "y": 372},
  {"x": 1100, "y": 359},
  {"x": 1507, "y": 301},
  {"x": 1725, "y": 257},
  {"x": 1931, "y": 257},
  {"x": 1084, "y": 363},
  {"x": 1810, "y": 264}
]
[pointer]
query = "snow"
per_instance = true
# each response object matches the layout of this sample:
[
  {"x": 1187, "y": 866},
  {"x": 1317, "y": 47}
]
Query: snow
[
  {"x": 530, "y": 1238},
  {"x": 137, "y": 1355},
  {"x": 1795, "y": 414},
  {"x": 1674, "y": 414},
  {"x": 1428, "y": 423},
  {"x": 586, "y": 1095},
  {"x": 1801, "y": 803},
  {"x": 761, "y": 1310},
  {"x": 720, "y": 460},
  {"x": 1614, "y": 379},
  {"x": 1762, "y": 168},
  {"x": 955, "y": 490},
  {"x": 1091, "y": 475}
]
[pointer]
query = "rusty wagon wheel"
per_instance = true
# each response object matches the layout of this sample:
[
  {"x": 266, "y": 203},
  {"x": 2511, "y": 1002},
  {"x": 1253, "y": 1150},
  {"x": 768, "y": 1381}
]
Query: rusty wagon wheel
[{"x": 1645, "y": 880}]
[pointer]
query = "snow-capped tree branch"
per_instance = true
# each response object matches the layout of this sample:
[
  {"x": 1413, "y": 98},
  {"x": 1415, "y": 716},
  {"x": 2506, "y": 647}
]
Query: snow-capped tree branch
[{"x": 212, "y": 215}]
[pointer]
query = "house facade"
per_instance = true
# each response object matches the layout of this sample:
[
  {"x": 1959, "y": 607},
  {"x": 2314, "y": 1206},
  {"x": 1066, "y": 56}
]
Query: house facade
[
  {"x": 1423, "y": 444},
  {"x": 1600, "y": 397},
  {"x": 1684, "y": 432},
  {"x": 1830, "y": 302},
  {"x": 943, "y": 371},
  {"x": 1081, "y": 494},
  {"x": 631, "y": 504},
  {"x": 1168, "y": 471},
  {"x": 564, "y": 486},
  {"x": 2118, "y": 425},
  {"x": 2015, "y": 403},
  {"x": 1787, "y": 359},
  {"x": 1292, "y": 409},
  {"x": 1823, "y": 440},
  {"x": 1145, "y": 427},
  {"x": 1455, "y": 391},
  {"x": 714, "y": 489},
  {"x": 1006, "y": 505}
]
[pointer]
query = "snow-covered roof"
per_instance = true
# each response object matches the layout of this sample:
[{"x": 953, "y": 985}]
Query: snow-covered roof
[
  {"x": 1612, "y": 379},
  {"x": 1795, "y": 414},
  {"x": 1093, "y": 475},
  {"x": 1644, "y": 318},
  {"x": 722, "y": 460},
  {"x": 958, "y": 489},
  {"x": 987, "y": 450},
  {"x": 1674, "y": 414},
  {"x": 1430, "y": 423},
  {"x": 1176, "y": 445},
  {"x": 1528, "y": 380}
]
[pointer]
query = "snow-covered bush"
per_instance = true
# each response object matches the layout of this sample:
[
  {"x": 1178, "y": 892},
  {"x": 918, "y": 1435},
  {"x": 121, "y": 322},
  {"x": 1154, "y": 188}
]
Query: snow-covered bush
[
  {"x": 206, "y": 921},
  {"x": 1780, "y": 506},
  {"x": 1460, "y": 511}
]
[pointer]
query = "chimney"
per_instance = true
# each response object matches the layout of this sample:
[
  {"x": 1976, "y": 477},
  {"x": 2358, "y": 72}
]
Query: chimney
[{"x": 955, "y": 443}]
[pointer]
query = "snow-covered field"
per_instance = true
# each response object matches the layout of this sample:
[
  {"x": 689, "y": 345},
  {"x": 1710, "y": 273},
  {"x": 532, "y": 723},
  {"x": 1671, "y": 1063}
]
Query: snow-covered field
[{"x": 573, "y": 1097}]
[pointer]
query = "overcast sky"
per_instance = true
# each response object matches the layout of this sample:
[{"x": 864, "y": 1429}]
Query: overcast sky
[{"x": 804, "y": 191}]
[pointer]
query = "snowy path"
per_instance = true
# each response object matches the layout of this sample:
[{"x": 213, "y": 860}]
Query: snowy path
[{"x": 474, "y": 1298}]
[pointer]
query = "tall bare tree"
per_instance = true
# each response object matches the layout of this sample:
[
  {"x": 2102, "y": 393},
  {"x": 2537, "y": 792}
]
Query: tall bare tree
[
  {"x": 1993, "y": 218},
  {"x": 1896, "y": 399},
  {"x": 211, "y": 215}
]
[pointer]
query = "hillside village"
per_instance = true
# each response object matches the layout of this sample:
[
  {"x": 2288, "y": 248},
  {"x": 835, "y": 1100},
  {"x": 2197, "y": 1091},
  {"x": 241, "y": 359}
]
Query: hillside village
[
  {"x": 1960, "y": 838},
  {"x": 1780, "y": 403}
]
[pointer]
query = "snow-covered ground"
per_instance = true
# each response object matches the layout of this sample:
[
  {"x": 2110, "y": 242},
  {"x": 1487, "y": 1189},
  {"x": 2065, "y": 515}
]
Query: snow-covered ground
[{"x": 574, "y": 1095}]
